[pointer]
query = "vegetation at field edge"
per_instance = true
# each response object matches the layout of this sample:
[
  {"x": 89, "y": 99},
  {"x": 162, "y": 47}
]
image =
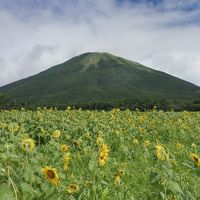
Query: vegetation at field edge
[{"x": 74, "y": 154}]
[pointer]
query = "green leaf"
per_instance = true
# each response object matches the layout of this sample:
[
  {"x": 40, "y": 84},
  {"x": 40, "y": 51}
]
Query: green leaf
[
  {"x": 51, "y": 195},
  {"x": 34, "y": 161},
  {"x": 175, "y": 187},
  {"x": 162, "y": 195},
  {"x": 154, "y": 177},
  {"x": 91, "y": 165},
  {"x": 6, "y": 192},
  {"x": 104, "y": 182},
  {"x": 28, "y": 173},
  {"x": 26, "y": 188},
  {"x": 104, "y": 194},
  {"x": 62, "y": 175},
  {"x": 170, "y": 172}
]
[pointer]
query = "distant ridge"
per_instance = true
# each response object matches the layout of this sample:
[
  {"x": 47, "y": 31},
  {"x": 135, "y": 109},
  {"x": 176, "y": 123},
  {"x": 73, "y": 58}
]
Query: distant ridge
[{"x": 99, "y": 77}]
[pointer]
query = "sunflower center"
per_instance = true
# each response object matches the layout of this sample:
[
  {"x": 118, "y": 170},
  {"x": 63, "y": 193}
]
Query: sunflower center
[
  {"x": 50, "y": 174},
  {"x": 27, "y": 144},
  {"x": 73, "y": 187},
  {"x": 196, "y": 159}
]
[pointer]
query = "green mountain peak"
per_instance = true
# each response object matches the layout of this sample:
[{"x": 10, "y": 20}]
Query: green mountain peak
[{"x": 95, "y": 59}]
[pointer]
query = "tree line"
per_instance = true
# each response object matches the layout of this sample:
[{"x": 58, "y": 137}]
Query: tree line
[{"x": 7, "y": 103}]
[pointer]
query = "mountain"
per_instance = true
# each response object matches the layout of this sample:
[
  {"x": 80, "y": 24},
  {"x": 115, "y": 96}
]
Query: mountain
[{"x": 99, "y": 77}]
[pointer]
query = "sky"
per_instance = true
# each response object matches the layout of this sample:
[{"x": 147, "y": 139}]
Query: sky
[{"x": 161, "y": 34}]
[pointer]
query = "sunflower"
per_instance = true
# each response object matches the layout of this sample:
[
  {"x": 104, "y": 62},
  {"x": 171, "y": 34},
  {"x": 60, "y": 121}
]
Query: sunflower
[
  {"x": 72, "y": 188},
  {"x": 88, "y": 183},
  {"x": 123, "y": 165},
  {"x": 193, "y": 145},
  {"x": 196, "y": 159},
  {"x": 51, "y": 175},
  {"x": 117, "y": 179},
  {"x": 68, "y": 108},
  {"x": 16, "y": 128},
  {"x": 161, "y": 152},
  {"x": 76, "y": 143},
  {"x": 103, "y": 156},
  {"x": 27, "y": 144},
  {"x": 56, "y": 134},
  {"x": 66, "y": 161},
  {"x": 121, "y": 172},
  {"x": 63, "y": 147},
  {"x": 42, "y": 131},
  {"x": 135, "y": 141},
  {"x": 179, "y": 145},
  {"x": 99, "y": 140},
  {"x": 147, "y": 143}
]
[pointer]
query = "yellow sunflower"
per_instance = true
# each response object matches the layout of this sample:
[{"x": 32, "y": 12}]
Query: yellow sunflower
[
  {"x": 196, "y": 159},
  {"x": 88, "y": 183},
  {"x": 51, "y": 175},
  {"x": 193, "y": 145},
  {"x": 123, "y": 165},
  {"x": 117, "y": 179},
  {"x": 28, "y": 144},
  {"x": 121, "y": 172},
  {"x": 135, "y": 141},
  {"x": 63, "y": 147},
  {"x": 16, "y": 128},
  {"x": 99, "y": 140},
  {"x": 179, "y": 145},
  {"x": 56, "y": 134},
  {"x": 161, "y": 152},
  {"x": 103, "y": 156},
  {"x": 66, "y": 161},
  {"x": 147, "y": 143},
  {"x": 73, "y": 188}
]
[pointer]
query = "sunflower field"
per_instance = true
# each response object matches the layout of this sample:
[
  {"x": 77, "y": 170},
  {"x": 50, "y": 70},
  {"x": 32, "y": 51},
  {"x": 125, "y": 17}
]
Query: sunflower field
[{"x": 99, "y": 155}]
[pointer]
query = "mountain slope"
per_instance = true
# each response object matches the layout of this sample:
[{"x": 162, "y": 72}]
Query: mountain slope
[{"x": 99, "y": 77}]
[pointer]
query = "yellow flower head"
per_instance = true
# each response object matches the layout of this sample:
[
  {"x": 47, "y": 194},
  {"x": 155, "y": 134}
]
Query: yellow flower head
[
  {"x": 121, "y": 172},
  {"x": 193, "y": 145},
  {"x": 196, "y": 159},
  {"x": 42, "y": 131},
  {"x": 56, "y": 134},
  {"x": 76, "y": 143},
  {"x": 117, "y": 180},
  {"x": 103, "y": 156},
  {"x": 147, "y": 143},
  {"x": 51, "y": 175},
  {"x": 73, "y": 188},
  {"x": 99, "y": 141},
  {"x": 179, "y": 145},
  {"x": 123, "y": 165},
  {"x": 68, "y": 108},
  {"x": 161, "y": 152},
  {"x": 16, "y": 128},
  {"x": 173, "y": 162},
  {"x": 88, "y": 183},
  {"x": 63, "y": 147},
  {"x": 135, "y": 141},
  {"x": 66, "y": 161},
  {"x": 27, "y": 144}
]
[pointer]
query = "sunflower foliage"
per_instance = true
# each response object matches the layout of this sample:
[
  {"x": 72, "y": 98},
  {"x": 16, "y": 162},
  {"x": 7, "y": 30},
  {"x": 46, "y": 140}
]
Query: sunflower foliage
[{"x": 73, "y": 154}]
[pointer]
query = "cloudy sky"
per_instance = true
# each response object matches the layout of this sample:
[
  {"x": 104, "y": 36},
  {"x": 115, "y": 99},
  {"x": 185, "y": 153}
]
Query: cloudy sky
[{"x": 37, "y": 34}]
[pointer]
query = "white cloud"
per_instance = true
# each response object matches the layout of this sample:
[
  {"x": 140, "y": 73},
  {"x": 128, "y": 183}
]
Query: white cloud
[{"x": 53, "y": 33}]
